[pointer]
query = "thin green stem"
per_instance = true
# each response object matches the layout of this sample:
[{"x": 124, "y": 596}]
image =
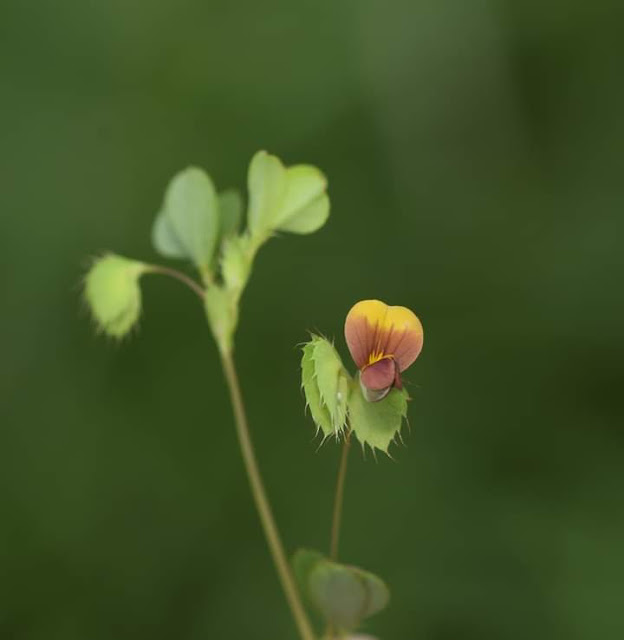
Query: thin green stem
[
  {"x": 337, "y": 514},
  {"x": 178, "y": 275},
  {"x": 262, "y": 503},
  {"x": 339, "y": 498}
]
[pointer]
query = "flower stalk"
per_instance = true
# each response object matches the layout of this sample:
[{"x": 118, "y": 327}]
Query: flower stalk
[{"x": 339, "y": 498}]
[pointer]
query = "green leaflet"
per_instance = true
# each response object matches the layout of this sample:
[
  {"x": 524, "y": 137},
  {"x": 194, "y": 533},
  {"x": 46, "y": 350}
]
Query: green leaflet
[
  {"x": 343, "y": 594},
  {"x": 325, "y": 383},
  {"x": 377, "y": 423},
  {"x": 188, "y": 223}
]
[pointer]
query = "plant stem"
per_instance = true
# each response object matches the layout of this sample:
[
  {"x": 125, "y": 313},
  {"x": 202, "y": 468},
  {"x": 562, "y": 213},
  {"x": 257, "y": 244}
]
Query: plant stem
[
  {"x": 338, "y": 500},
  {"x": 262, "y": 503},
  {"x": 178, "y": 275}
]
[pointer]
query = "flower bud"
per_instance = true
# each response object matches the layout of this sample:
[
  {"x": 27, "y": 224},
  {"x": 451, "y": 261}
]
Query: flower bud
[{"x": 112, "y": 291}]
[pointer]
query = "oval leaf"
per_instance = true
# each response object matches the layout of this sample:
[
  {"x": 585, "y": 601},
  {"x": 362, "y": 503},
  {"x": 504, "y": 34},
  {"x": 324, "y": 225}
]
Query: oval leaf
[{"x": 188, "y": 225}]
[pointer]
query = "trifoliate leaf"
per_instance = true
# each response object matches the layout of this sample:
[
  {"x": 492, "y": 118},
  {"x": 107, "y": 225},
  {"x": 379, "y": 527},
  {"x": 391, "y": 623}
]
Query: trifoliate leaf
[
  {"x": 113, "y": 293},
  {"x": 289, "y": 199},
  {"x": 343, "y": 594},
  {"x": 325, "y": 383},
  {"x": 188, "y": 224},
  {"x": 377, "y": 423}
]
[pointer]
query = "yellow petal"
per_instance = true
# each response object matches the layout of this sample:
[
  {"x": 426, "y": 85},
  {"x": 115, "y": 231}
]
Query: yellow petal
[{"x": 374, "y": 330}]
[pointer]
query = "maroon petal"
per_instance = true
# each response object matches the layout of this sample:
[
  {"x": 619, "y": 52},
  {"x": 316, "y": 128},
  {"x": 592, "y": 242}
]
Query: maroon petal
[{"x": 379, "y": 375}]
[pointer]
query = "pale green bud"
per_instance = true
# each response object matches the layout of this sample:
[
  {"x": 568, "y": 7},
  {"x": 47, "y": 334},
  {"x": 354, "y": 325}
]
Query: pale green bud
[
  {"x": 326, "y": 385},
  {"x": 111, "y": 289},
  {"x": 235, "y": 262}
]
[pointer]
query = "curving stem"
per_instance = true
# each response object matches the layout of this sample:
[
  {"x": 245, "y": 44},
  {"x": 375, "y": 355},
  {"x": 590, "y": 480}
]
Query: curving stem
[{"x": 262, "y": 503}]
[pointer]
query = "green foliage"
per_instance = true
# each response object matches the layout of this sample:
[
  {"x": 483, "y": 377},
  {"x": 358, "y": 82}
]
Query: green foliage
[
  {"x": 112, "y": 292},
  {"x": 188, "y": 224},
  {"x": 344, "y": 595},
  {"x": 377, "y": 423},
  {"x": 289, "y": 199},
  {"x": 325, "y": 383},
  {"x": 205, "y": 228}
]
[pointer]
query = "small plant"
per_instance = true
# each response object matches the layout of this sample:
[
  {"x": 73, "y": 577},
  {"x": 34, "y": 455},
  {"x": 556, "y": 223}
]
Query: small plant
[{"x": 205, "y": 227}]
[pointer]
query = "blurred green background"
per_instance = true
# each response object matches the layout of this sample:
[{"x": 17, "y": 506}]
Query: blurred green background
[{"x": 474, "y": 151}]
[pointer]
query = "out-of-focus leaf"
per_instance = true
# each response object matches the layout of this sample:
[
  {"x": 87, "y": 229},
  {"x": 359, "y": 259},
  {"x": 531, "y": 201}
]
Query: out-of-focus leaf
[{"x": 344, "y": 595}]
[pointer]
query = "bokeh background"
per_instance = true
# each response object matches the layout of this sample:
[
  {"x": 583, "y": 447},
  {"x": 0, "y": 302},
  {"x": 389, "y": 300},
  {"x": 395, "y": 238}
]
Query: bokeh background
[{"x": 475, "y": 151}]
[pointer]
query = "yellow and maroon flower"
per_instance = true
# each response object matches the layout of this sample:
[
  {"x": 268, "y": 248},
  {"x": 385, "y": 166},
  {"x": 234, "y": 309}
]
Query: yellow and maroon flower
[{"x": 383, "y": 341}]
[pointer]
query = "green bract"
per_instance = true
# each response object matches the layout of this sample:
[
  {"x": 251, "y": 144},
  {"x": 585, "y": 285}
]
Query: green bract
[
  {"x": 188, "y": 224},
  {"x": 326, "y": 385},
  {"x": 285, "y": 199},
  {"x": 113, "y": 294},
  {"x": 343, "y": 594},
  {"x": 235, "y": 261},
  {"x": 377, "y": 423}
]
